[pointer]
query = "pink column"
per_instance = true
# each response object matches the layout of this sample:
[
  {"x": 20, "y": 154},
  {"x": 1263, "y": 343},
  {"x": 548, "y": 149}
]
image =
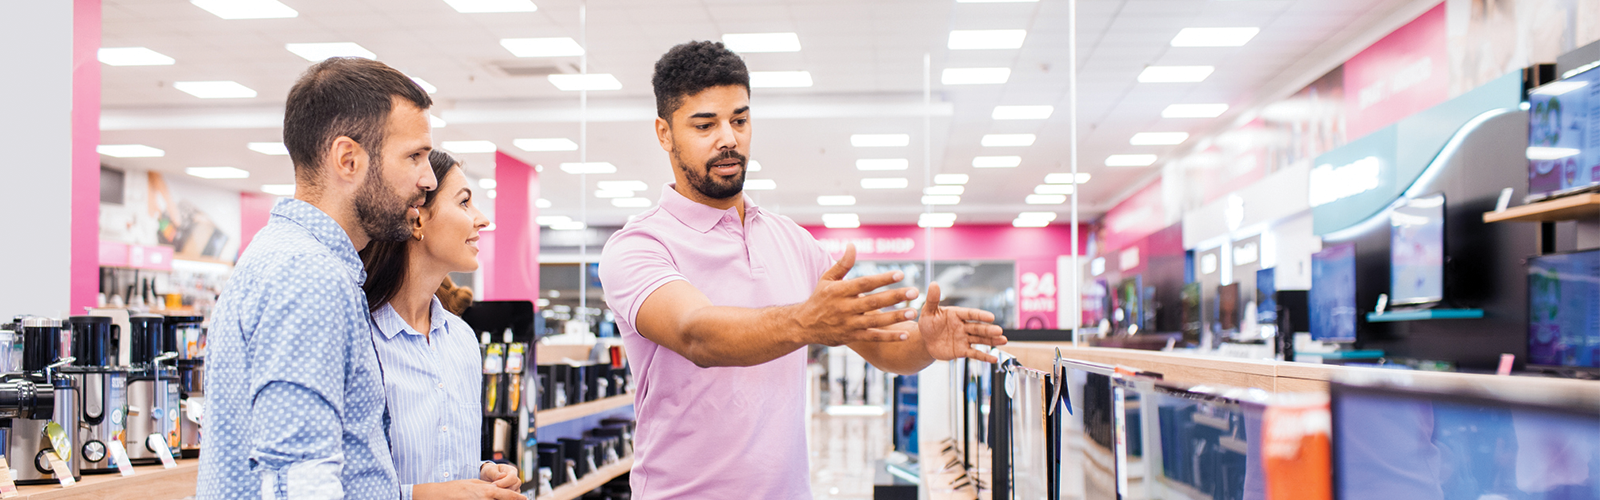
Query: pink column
[
  {"x": 85, "y": 253},
  {"x": 512, "y": 272},
  {"x": 255, "y": 209}
]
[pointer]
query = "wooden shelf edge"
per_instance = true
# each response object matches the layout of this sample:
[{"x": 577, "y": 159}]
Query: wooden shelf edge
[
  {"x": 588, "y": 483},
  {"x": 1559, "y": 209},
  {"x": 558, "y": 415}
]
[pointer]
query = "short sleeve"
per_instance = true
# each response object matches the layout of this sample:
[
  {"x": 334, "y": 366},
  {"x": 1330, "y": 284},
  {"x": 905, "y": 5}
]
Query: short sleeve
[
  {"x": 821, "y": 259},
  {"x": 632, "y": 266}
]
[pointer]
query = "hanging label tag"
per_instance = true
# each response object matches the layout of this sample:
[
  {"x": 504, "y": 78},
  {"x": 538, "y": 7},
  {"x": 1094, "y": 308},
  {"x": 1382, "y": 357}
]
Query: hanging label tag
[
  {"x": 119, "y": 457},
  {"x": 8, "y": 486},
  {"x": 158, "y": 442},
  {"x": 59, "y": 440},
  {"x": 59, "y": 468}
]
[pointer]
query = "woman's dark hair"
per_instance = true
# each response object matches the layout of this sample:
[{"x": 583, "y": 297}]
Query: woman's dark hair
[
  {"x": 692, "y": 67},
  {"x": 386, "y": 261}
]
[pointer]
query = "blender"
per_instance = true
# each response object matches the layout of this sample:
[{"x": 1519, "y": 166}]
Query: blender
[
  {"x": 187, "y": 337},
  {"x": 102, "y": 392},
  {"x": 49, "y": 426},
  {"x": 152, "y": 418}
]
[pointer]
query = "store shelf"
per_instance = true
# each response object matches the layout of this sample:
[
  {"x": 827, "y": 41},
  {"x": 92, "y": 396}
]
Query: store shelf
[
  {"x": 580, "y": 410},
  {"x": 1424, "y": 314},
  {"x": 1582, "y": 206},
  {"x": 149, "y": 482},
  {"x": 570, "y": 491}
]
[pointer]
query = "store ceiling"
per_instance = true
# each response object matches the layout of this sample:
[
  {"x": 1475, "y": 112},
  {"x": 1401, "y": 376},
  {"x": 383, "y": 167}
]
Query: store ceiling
[{"x": 866, "y": 59}]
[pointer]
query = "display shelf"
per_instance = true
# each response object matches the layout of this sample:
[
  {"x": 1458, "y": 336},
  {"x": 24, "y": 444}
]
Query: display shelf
[
  {"x": 573, "y": 490},
  {"x": 1582, "y": 206},
  {"x": 580, "y": 410},
  {"x": 149, "y": 482},
  {"x": 1424, "y": 314}
]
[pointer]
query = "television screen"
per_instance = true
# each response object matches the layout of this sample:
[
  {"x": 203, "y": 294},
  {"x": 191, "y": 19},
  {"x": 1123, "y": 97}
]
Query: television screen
[
  {"x": 1228, "y": 308},
  {"x": 1416, "y": 251},
  {"x": 1333, "y": 294},
  {"x": 1562, "y": 115},
  {"x": 1128, "y": 294},
  {"x": 1564, "y": 309},
  {"x": 1191, "y": 313},
  {"x": 1266, "y": 292}
]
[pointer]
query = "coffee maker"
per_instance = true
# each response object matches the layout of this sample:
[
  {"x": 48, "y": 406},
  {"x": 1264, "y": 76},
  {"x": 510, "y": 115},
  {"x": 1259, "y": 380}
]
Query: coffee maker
[
  {"x": 44, "y": 429},
  {"x": 152, "y": 391},
  {"x": 188, "y": 338},
  {"x": 102, "y": 391}
]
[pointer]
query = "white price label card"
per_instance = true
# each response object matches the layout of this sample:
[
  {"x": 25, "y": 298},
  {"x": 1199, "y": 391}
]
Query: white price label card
[
  {"x": 119, "y": 456},
  {"x": 158, "y": 442},
  {"x": 8, "y": 485},
  {"x": 59, "y": 468}
]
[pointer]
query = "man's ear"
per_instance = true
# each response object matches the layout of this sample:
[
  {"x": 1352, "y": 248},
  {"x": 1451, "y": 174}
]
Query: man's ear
[
  {"x": 347, "y": 160},
  {"x": 664, "y": 134}
]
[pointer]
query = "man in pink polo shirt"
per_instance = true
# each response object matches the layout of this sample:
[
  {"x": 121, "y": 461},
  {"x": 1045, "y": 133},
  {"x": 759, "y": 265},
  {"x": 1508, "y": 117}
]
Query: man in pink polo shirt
[{"x": 717, "y": 299}]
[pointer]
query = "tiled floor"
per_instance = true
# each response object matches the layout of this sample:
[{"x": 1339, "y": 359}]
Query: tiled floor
[{"x": 843, "y": 450}]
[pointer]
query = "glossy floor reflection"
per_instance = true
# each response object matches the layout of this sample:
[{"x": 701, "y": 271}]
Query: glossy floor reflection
[{"x": 843, "y": 452}]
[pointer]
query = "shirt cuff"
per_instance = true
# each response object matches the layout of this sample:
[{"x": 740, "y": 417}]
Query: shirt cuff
[{"x": 405, "y": 491}]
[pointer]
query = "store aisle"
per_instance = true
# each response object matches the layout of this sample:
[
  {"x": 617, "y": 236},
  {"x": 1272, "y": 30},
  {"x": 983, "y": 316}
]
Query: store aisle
[{"x": 843, "y": 451}]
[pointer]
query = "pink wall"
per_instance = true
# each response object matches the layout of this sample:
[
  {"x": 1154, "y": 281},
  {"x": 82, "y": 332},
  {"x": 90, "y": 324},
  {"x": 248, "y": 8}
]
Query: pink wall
[
  {"x": 84, "y": 268},
  {"x": 1140, "y": 215},
  {"x": 1399, "y": 75},
  {"x": 511, "y": 272},
  {"x": 976, "y": 242},
  {"x": 254, "y": 211}
]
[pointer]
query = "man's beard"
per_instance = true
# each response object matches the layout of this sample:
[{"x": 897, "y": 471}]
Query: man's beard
[
  {"x": 712, "y": 186},
  {"x": 382, "y": 213}
]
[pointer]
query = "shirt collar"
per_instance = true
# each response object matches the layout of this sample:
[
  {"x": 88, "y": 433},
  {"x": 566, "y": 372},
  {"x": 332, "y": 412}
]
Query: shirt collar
[
  {"x": 699, "y": 216},
  {"x": 324, "y": 229},
  {"x": 390, "y": 323}
]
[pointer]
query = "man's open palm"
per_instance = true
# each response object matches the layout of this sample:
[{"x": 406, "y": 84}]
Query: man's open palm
[{"x": 950, "y": 332}]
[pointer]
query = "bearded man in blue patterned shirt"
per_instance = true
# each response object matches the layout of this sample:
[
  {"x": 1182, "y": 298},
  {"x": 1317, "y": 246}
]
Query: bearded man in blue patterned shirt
[{"x": 294, "y": 387}]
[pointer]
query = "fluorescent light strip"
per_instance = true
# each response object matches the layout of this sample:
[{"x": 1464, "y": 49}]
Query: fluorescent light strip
[
  {"x": 1130, "y": 160},
  {"x": 542, "y": 203},
  {"x": 986, "y": 39},
  {"x": 879, "y": 140},
  {"x": 760, "y": 184},
  {"x": 545, "y": 144},
  {"x": 569, "y": 226},
  {"x": 268, "y": 148},
  {"x": 780, "y": 79},
  {"x": 133, "y": 56},
  {"x": 836, "y": 201},
  {"x": 753, "y": 166},
  {"x": 278, "y": 189},
  {"x": 883, "y": 164},
  {"x": 469, "y": 147},
  {"x": 1158, "y": 138},
  {"x": 956, "y": 179},
  {"x": 1022, "y": 112},
  {"x": 974, "y": 76},
  {"x": 1214, "y": 37},
  {"x": 1030, "y": 223},
  {"x": 1194, "y": 110},
  {"x": 485, "y": 6},
  {"x": 997, "y": 1},
  {"x": 996, "y": 161},
  {"x": 1062, "y": 189},
  {"x": 885, "y": 183},
  {"x": 1175, "y": 74},
  {"x": 841, "y": 221},
  {"x": 129, "y": 151},
  {"x": 761, "y": 42},
  {"x": 1045, "y": 199},
  {"x": 622, "y": 186},
  {"x": 488, "y": 183},
  {"x": 318, "y": 52},
  {"x": 591, "y": 81},
  {"x": 224, "y": 89},
  {"x": 630, "y": 202},
  {"x": 542, "y": 47},
  {"x": 944, "y": 190},
  {"x": 1007, "y": 140},
  {"x": 436, "y": 122},
  {"x": 607, "y": 193},
  {"x": 551, "y": 220},
  {"x": 217, "y": 172},
  {"x": 1044, "y": 216},
  {"x": 246, "y": 9},
  {"x": 593, "y": 167},
  {"x": 936, "y": 219},
  {"x": 1066, "y": 178},
  {"x": 940, "y": 200}
]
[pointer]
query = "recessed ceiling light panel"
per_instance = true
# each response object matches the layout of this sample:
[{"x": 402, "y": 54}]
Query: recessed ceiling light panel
[
  {"x": 545, "y": 144},
  {"x": 318, "y": 52},
  {"x": 278, "y": 189},
  {"x": 974, "y": 76},
  {"x": 944, "y": 190},
  {"x": 1046, "y": 199},
  {"x": 1214, "y": 37},
  {"x": 485, "y": 6},
  {"x": 838, "y": 221},
  {"x": 246, "y": 9},
  {"x": 216, "y": 89},
  {"x": 129, "y": 151},
  {"x": 622, "y": 186},
  {"x": 760, "y": 184},
  {"x": 1066, "y": 178},
  {"x": 940, "y": 200},
  {"x": 469, "y": 147},
  {"x": 986, "y": 39},
  {"x": 133, "y": 56},
  {"x": 1175, "y": 74},
  {"x": 269, "y": 148},
  {"x": 1158, "y": 138},
  {"x": 1062, "y": 189},
  {"x": 217, "y": 172},
  {"x": 593, "y": 167},
  {"x": 591, "y": 81},
  {"x": 1130, "y": 160}
]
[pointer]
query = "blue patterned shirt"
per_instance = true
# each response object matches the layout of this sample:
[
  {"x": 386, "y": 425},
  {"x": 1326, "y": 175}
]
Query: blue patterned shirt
[
  {"x": 434, "y": 385},
  {"x": 293, "y": 386}
]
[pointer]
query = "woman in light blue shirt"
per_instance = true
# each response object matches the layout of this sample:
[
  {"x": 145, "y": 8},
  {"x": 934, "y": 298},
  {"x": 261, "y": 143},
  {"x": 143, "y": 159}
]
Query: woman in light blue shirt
[{"x": 432, "y": 371}]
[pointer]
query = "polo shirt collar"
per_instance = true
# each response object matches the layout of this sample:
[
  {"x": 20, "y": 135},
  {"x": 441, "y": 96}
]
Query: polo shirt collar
[{"x": 697, "y": 215}]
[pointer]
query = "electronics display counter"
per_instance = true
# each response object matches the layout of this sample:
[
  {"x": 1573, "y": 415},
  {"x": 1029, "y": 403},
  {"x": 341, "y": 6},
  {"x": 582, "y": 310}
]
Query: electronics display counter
[{"x": 149, "y": 482}]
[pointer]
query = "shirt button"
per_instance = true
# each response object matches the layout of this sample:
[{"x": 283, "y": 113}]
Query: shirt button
[
  {"x": 444, "y": 429},
  {"x": 441, "y": 385}
]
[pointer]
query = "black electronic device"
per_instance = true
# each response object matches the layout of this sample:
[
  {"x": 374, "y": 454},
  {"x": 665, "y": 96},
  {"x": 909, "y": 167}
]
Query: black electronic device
[
  {"x": 1563, "y": 309},
  {"x": 1193, "y": 324},
  {"x": 1563, "y": 153},
  {"x": 1417, "y": 251},
  {"x": 1228, "y": 308},
  {"x": 496, "y": 316},
  {"x": 1292, "y": 317}
]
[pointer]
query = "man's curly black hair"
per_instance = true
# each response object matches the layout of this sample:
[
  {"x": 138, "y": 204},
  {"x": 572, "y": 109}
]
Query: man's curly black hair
[{"x": 692, "y": 67}]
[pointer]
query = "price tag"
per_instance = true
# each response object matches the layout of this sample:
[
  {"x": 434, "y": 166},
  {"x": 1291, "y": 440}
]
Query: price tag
[
  {"x": 8, "y": 486},
  {"x": 59, "y": 468},
  {"x": 59, "y": 440},
  {"x": 158, "y": 442},
  {"x": 119, "y": 456}
]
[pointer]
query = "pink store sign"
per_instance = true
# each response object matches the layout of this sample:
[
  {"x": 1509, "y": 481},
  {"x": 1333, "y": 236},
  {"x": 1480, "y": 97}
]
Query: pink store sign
[
  {"x": 975, "y": 242},
  {"x": 1399, "y": 75}
]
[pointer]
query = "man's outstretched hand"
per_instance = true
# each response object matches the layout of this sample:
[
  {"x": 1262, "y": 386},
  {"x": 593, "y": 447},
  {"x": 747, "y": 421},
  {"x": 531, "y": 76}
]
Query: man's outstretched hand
[{"x": 950, "y": 332}]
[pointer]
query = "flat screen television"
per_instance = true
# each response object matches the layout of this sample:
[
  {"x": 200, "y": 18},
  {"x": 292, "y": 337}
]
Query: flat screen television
[
  {"x": 1563, "y": 150},
  {"x": 1192, "y": 323},
  {"x": 1266, "y": 294},
  {"x": 1564, "y": 310},
  {"x": 1228, "y": 308},
  {"x": 1416, "y": 251},
  {"x": 1333, "y": 294}
]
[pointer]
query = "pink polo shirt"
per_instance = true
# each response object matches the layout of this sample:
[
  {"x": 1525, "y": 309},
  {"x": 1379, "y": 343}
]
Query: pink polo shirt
[{"x": 714, "y": 433}]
